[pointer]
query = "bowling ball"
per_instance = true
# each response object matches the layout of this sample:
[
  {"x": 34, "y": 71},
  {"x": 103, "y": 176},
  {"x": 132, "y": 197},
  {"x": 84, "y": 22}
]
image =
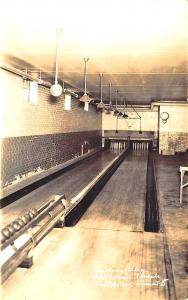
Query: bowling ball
[
  {"x": 34, "y": 211},
  {"x": 27, "y": 216},
  {"x": 24, "y": 219},
  {"x": 21, "y": 222},
  {"x": 6, "y": 233},
  {"x": 11, "y": 229},
  {"x": 16, "y": 225},
  {"x": 2, "y": 238},
  {"x": 31, "y": 214}
]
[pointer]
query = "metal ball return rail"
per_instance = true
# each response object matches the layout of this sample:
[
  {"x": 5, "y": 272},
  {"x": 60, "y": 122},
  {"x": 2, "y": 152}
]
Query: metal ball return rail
[{"x": 19, "y": 238}]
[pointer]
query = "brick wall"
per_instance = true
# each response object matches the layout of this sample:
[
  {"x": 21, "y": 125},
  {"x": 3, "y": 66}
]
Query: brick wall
[
  {"x": 171, "y": 142},
  {"x": 173, "y": 135},
  {"x": 36, "y": 137},
  {"x": 21, "y": 118}
]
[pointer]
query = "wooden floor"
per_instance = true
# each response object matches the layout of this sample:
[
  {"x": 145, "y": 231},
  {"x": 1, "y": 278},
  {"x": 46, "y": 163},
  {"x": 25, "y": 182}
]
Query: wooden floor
[
  {"x": 76, "y": 263},
  {"x": 174, "y": 218},
  {"x": 106, "y": 255},
  {"x": 69, "y": 183},
  {"x": 121, "y": 203}
]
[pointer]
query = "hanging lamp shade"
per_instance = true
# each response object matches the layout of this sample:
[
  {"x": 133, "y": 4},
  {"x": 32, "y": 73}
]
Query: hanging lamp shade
[
  {"x": 110, "y": 108},
  {"x": 101, "y": 105},
  {"x": 85, "y": 97},
  {"x": 116, "y": 112},
  {"x": 56, "y": 90},
  {"x": 125, "y": 116}
]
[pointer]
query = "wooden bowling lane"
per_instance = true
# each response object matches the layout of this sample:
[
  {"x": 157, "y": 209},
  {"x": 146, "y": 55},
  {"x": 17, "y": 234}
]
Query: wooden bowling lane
[
  {"x": 76, "y": 263},
  {"x": 121, "y": 203},
  {"x": 69, "y": 183}
]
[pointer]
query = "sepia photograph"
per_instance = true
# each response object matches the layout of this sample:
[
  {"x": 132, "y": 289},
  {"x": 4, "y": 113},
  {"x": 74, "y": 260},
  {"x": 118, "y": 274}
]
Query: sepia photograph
[{"x": 94, "y": 150}]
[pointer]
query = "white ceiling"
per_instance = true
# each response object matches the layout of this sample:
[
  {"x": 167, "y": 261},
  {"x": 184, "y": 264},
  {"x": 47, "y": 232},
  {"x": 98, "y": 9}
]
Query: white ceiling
[{"x": 141, "y": 46}]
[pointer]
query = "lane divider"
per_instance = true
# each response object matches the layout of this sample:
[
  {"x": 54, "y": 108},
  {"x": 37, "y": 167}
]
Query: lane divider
[{"x": 20, "y": 237}]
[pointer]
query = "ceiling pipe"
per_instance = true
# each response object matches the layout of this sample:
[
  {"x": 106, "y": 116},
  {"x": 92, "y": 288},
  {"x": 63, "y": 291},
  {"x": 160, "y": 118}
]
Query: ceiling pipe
[
  {"x": 56, "y": 89},
  {"x": 25, "y": 75},
  {"x": 110, "y": 107},
  {"x": 116, "y": 110},
  {"x": 101, "y": 104},
  {"x": 120, "y": 113},
  {"x": 125, "y": 115},
  {"x": 85, "y": 97}
]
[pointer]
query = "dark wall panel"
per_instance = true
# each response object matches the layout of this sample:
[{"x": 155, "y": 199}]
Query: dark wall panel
[{"x": 21, "y": 155}]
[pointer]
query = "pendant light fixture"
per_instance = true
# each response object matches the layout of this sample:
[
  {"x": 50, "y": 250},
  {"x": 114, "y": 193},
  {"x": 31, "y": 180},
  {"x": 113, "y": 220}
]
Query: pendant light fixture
[
  {"x": 56, "y": 89},
  {"x": 116, "y": 124},
  {"x": 116, "y": 110},
  {"x": 120, "y": 113},
  {"x": 101, "y": 103},
  {"x": 140, "y": 131},
  {"x": 125, "y": 115},
  {"x": 140, "y": 118},
  {"x": 85, "y": 98},
  {"x": 110, "y": 107}
]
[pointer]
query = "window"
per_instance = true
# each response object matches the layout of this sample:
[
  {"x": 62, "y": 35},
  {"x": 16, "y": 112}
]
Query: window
[
  {"x": 30, "y": 91},
  {"x": 67, "y": 103}
]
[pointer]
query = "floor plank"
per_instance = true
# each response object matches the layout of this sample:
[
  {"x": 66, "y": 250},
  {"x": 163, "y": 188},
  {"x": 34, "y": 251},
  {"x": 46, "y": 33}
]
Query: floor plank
[
  {"x": 92, "y": 264},
  {"x": 121, "y": 203}
]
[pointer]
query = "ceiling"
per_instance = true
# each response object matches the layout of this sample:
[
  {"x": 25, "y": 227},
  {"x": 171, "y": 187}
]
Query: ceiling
[{"x": 140, "y": 46}]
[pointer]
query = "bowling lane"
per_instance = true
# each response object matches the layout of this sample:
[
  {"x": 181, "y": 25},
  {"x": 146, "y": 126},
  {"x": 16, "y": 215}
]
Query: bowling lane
[
  {"x": 101, "y": 257},
  {"x": 69, "y": 183},
  {"x": 74, "y": 263},
  {"x": 121, "y": 203}
]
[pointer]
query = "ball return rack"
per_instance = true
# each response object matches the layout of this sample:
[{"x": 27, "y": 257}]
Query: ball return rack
[{"x": 20, "y": 237}]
